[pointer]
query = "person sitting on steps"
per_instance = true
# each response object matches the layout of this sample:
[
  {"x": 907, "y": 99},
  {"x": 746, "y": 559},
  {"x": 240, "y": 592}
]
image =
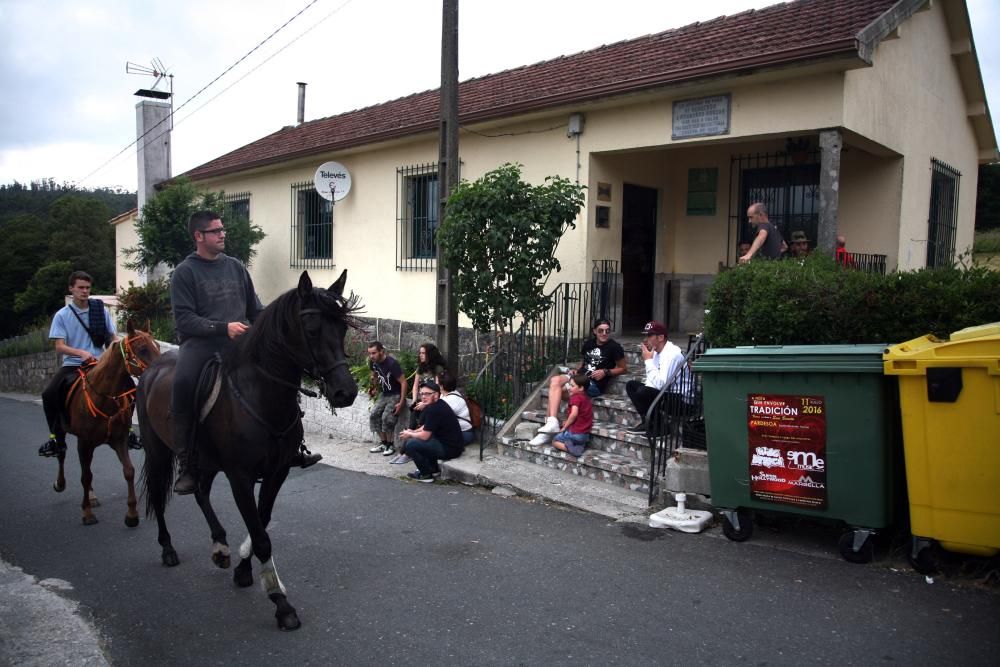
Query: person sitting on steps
[
  {"x": 575, "y": 432},
  {"x": 662, "y": 360},
  {"x": 603, "y": 359}
]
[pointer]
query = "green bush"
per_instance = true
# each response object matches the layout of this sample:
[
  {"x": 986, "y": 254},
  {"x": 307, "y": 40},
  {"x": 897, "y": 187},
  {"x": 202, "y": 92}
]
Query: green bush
[
  {"x": 818, "y": 302},
  {"x": 987, "y": 241},
  {"x": 148, "y": 302}
]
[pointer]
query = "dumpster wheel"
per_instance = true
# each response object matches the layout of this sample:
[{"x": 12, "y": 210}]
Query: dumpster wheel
[
  {"x": 923, "y": 555},
  {"x": 744, "y": 521},
  {"x": 853, "y": 552}
]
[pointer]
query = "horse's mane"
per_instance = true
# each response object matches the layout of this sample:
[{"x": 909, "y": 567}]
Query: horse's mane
[{"x": 268, "y": 337}]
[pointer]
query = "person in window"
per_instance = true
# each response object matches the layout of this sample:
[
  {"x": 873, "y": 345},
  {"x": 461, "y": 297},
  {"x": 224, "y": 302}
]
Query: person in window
[
  {"x": 800, "y": 245},
  {"x": 439, "y": 438},
  {"x": 603, "y": 359},
  {"x": 81, "y": 329},
  {"x": 767, "y": 243}
]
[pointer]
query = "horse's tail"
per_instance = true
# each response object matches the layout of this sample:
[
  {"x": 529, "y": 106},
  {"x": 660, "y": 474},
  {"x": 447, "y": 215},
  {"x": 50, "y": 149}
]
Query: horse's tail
[{"x": 156, "y": 478}]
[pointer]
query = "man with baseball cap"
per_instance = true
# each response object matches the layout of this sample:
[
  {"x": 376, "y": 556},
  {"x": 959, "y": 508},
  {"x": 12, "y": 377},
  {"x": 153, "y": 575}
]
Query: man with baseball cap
[{"x": 664, "y": 362}]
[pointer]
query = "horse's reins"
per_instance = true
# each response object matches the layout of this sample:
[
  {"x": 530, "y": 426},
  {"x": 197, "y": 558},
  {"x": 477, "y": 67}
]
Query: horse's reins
[
  {"x": 124, "y": 400},
  {"x": 316, "y": 374}
]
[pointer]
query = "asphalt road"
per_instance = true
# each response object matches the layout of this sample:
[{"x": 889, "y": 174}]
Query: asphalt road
[{"x": 390, "y": 572}]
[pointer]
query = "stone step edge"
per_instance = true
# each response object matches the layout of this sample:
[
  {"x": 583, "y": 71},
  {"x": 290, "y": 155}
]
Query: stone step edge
[
  {"x": 601, "y": 428},
  {"x": 591, "y": 458}
]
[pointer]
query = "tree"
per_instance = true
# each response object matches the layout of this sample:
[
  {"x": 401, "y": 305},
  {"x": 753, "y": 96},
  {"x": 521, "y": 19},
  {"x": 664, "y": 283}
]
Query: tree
[
  {"x": 499, "y": 238},
  {"x": 163, "y": 227}
]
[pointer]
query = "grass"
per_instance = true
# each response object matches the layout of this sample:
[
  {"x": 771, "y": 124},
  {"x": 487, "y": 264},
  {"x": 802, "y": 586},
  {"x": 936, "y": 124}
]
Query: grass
[
  {"x": 32, "y": 342},
  {"x": 986, "y": 241}
]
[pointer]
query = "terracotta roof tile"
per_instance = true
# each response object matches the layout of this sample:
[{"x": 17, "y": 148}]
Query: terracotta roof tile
[{"x": 781, "y": 33}]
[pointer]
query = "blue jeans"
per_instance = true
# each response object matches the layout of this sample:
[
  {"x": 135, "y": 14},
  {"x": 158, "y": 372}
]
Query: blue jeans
[
  {"x": 427, "y": 453},
  {"x": 575, "y": 443}
]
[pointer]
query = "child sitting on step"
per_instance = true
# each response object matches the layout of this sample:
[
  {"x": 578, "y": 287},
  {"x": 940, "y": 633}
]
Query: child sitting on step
[{"x": 575, "y": 433}]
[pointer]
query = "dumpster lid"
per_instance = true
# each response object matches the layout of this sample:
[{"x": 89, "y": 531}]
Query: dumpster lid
[
  {"x": 968, "y": 333},
  {"x": 866, "y": 358}
]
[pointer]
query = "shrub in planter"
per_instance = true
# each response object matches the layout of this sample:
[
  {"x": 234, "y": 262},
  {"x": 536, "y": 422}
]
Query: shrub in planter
[{"x": 816, "y": 301}]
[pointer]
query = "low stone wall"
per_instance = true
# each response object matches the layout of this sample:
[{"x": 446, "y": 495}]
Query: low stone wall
[
  {"x": 350, "y": 423},
  {"x": 28, "y": 373}
]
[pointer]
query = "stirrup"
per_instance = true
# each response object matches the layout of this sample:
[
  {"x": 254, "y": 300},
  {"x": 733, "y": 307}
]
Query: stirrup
[
  {"x": 305, "y": 458},
  {"x": 186, "y": 483},
  {"x": 133, "y": 441}
]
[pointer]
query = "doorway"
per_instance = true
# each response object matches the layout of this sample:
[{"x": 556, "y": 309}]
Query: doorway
[{"x": 638, "y": 255}]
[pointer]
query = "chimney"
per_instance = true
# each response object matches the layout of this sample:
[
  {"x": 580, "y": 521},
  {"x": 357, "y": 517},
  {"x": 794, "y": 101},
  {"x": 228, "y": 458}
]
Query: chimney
[{"x": 302, "y": 103}]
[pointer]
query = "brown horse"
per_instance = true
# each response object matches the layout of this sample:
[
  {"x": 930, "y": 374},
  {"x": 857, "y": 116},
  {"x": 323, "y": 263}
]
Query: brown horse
[
  {"x": 253, "y": 429},
  {"x": 99, "y": 410}
]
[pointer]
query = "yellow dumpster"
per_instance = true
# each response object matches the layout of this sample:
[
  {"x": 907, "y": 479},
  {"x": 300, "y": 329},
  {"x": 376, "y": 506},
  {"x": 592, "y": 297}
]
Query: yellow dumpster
[{"x": 949, "y": 396}]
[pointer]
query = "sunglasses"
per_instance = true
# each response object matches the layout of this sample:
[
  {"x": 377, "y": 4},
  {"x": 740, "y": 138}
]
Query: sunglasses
[
  {"x": 217, "y": 230},
  {"x": 603, "y": 330}
]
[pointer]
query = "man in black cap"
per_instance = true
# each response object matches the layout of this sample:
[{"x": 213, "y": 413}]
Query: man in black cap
[
  {"x": 439, "y": 438},
  {"x": 664, "y": 362}
]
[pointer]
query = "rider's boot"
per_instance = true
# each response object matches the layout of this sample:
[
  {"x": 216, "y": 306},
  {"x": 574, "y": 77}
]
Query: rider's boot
[
  {"x": 304, "y": 458},
  {"x": 187, "y": 474}
]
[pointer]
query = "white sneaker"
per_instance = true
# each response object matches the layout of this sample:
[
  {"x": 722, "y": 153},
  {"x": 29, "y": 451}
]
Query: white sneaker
[
  {"x": 540, "y": 439},
  {"x": 551, "y": 426}
]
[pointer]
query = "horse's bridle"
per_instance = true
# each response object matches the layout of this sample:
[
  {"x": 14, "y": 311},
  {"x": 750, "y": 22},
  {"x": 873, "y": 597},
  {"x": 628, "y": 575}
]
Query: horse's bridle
[
  {"x": 316, "y": 373},
  {"x": 132, "y": 361}
]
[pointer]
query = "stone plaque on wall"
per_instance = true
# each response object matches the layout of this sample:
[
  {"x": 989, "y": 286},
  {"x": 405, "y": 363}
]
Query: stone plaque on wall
[{"x": 701, "y": 117}]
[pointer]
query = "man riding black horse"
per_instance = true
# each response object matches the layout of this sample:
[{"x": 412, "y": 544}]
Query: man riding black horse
[{"x": 214, "y": 302}]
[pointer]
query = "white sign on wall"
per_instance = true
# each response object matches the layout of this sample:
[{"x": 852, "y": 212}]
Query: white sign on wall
[
  {"x": 702, "y": 117},
  {"x": 332, "y": 181}
]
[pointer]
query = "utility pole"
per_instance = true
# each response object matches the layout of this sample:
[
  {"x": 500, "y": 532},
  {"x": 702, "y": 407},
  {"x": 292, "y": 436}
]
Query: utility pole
[{"x": 448, "y": 175}]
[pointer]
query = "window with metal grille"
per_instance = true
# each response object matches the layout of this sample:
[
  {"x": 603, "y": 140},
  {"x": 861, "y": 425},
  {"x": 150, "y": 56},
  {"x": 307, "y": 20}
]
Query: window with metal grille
[
  {"x": 312, "y": 229},
  {"x": 942, "y": 219},
  {"x": 236, "y": 207},
  {"x": 787, "y": 183},
  {"x": 416, "y": 217}
]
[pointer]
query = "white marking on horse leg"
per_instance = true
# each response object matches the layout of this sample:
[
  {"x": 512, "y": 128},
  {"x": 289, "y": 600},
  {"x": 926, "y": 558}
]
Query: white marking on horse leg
[
  {"x": 269, "y": 580},
  {"x": 245, "y": 548},
  {"x": 219, "y": 548}
]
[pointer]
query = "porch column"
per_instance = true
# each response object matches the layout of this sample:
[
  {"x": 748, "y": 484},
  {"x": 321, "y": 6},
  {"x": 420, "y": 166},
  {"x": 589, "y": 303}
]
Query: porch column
[{"x": 830, "y": 142}]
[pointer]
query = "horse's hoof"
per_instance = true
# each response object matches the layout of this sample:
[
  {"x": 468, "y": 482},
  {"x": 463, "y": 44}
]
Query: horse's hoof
[
  {"x": 131, "y": 521},
  {"x": 89, "y": 520},
  {"x": 170, "y": 558},
  {"x": 243, "y": 577},
  {"x": 288, "y": 622},
  {"x": 222, "y": 561},
  {"x": 59, "y": 488}
]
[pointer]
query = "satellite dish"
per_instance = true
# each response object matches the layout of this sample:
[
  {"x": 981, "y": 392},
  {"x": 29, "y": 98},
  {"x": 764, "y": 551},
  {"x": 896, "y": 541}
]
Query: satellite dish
[{"x": 332, "y": 181}]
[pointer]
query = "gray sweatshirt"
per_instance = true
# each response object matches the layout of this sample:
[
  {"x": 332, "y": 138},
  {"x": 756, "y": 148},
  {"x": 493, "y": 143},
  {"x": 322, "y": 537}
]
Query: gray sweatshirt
[{"x": 206, "y": 295}]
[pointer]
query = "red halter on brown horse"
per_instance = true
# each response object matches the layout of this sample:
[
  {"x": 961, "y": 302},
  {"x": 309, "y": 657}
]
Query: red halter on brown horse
[{"x": 99, "y": 410}]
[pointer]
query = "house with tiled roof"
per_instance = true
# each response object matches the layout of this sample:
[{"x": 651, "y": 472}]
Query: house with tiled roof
[{"x": 861, "y": 118}]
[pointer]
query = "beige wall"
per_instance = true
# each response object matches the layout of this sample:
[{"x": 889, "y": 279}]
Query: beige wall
[
  {"x": 125, "y": 237},
  {"x": 912, "y": 102}
]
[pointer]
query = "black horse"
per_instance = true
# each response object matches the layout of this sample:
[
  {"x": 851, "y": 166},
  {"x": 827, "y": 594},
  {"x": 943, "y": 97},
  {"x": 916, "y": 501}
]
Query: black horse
[{"x": 253, "y": 428}]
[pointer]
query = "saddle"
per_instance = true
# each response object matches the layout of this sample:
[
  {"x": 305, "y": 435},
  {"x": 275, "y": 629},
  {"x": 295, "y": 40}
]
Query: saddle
[{"x": 208, "y": 387}]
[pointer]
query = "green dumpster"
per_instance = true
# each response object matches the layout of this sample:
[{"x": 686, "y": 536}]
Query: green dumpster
[{"x": 802, "y": 429}]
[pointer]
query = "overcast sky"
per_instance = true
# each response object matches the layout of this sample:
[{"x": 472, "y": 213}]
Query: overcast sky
[{"x": 67, "y": 105}]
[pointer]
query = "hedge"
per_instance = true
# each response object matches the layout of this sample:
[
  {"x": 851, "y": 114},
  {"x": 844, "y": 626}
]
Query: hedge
[{"x": 816, "y": 301}]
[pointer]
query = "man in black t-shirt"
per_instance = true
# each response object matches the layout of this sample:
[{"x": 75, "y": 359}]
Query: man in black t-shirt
[
  {"x": 767, "y": 243},
  {"x": 603, "y": 359},
  {"x": 438, "y": 439},
  {"x": 389, "y": 382}
]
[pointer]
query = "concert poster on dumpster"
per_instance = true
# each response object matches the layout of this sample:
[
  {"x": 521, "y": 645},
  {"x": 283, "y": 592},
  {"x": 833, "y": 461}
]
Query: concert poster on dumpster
[{"x": 787, "y": 449}]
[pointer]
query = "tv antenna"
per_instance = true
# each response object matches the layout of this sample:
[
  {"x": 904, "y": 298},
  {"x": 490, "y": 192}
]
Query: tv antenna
[{"x": 159, "y": 70}]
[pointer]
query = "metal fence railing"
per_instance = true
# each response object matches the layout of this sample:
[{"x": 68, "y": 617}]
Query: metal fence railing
[
  {"x": 863, "y": 262},
  {"x": 676, "y": 418},
  {"x": 523, "y": 358}
]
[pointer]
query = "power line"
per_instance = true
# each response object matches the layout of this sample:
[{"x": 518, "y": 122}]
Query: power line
[{"x": 200, "y": 91}]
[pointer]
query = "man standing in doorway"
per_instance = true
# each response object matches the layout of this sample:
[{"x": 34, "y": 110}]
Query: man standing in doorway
[
  {"x": 767, "y": 243},
  {"x": 81, "y": 330},
  {"x": 664, "y": 362}
]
